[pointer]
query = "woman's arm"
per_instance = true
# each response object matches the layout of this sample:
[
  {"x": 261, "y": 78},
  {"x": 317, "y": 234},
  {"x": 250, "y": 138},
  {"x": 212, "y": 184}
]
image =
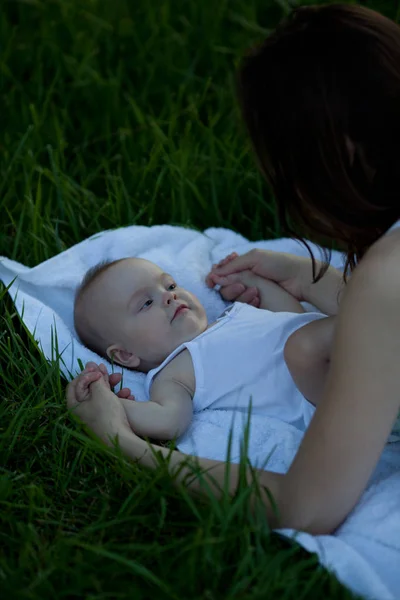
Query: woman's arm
[
  {"x": 326, "y": 294},
  {"x": 179, "y": 467}
]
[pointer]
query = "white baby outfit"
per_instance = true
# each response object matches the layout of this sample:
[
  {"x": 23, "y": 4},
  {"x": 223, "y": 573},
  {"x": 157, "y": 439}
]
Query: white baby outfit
[{"x": 241, "y": 357}]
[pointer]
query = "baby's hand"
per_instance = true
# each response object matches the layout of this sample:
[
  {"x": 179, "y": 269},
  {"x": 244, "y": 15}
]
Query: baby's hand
[
  {"x": 109, "y": 381},
  {"x": 238, "y": 287}
]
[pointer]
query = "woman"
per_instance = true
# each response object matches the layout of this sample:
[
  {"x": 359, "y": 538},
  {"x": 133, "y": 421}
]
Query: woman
[{"x": 321, "y": 100}]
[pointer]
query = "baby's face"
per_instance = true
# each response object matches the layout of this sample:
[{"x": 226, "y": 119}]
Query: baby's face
[{"x": 143, "y": 314}]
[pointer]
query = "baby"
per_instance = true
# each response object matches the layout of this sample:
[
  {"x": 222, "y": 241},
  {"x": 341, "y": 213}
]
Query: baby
[{"x": 136, "y": 315}]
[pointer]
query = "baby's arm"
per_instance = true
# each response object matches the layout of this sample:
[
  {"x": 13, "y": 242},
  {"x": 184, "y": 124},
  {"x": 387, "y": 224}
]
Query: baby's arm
[
  {"x": 272, "y": 296},
  {"x": 307, "y": 355},
  {"x": 166, "y": 415}
]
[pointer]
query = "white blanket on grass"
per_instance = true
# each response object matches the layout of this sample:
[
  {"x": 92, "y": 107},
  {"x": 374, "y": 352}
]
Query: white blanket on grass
[{"x": 364, "y": 552}]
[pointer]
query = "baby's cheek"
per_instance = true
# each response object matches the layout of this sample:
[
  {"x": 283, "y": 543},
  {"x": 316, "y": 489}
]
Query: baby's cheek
[
  {"x": 197, "y": 320},
  {"x": 198, "y": 307},
  {"x": 203, "y": 315}
]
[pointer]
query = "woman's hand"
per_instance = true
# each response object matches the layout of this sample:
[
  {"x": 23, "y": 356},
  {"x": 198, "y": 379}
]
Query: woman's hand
[
  {"x": 287, "y": 270},
  {"x": 90, "y": 397},
  {"x": 110, "y": 381},
  {"x": 292, "y": 273}
]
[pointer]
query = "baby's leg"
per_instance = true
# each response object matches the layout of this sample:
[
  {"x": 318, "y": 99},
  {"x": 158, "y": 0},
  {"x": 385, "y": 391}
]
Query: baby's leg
[{"x": 307, "y": 355}]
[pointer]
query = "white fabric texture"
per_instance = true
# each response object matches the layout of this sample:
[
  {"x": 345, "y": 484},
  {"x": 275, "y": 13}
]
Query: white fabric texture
[
  {"x": 364, "y": 552},
  {"x": 240, "y": 357}
]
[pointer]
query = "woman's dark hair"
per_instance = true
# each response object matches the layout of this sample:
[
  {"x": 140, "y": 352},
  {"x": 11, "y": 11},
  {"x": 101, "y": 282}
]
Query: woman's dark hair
[{"x": 321, "y": 101}]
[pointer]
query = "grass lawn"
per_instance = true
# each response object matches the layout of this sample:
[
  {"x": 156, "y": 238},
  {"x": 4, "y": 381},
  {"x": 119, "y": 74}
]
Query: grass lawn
[{"x": 115, "y": 112}]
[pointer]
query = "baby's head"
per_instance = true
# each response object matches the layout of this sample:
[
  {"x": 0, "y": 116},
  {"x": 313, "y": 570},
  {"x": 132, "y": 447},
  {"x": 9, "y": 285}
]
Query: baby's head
[{"x": 133, "y": 313}]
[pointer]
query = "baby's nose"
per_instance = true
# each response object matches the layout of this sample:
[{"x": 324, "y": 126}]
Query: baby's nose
[{"x": 169, "y": 296}]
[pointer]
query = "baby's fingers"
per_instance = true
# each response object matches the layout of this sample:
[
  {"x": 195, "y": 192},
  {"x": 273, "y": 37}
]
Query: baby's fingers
[
  {"x": 125, "y": 393},
  {"x": 249, "y": 296},
  {"x": 114, "y": 379},
  {"x": 256, "y": 302},
  {"x": 232, "y": 292},
  {"x": 213, "y": 279},
  {"x": 91, "y": 366}
]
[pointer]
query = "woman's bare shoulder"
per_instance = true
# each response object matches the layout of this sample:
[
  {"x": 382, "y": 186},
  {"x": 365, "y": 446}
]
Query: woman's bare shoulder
[
  {"x": 380, "y": 268},
  {"x": 385, "y": 245}
]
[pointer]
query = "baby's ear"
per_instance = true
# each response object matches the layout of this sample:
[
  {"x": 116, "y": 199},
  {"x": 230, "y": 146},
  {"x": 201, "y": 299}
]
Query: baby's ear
[{"x": 122, "y": 357}]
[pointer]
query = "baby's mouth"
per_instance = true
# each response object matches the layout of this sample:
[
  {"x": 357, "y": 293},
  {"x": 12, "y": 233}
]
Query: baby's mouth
[{"x": 179, "y": 310}]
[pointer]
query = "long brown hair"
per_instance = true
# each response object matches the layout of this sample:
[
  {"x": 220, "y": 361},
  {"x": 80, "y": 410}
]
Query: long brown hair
[{"x": 321, "y": 101}]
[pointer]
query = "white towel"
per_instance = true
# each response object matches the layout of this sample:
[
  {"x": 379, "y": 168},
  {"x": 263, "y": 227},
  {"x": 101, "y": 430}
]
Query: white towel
[{"x": 364, "y": 553}]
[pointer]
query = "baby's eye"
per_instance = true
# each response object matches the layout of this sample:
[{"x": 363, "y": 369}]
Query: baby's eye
[
  {"x": 173, "y": 286},
  {"x": 147, "y": 303}
]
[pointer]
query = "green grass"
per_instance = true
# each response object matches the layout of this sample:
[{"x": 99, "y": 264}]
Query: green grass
[{"x": 115, "y": 112}]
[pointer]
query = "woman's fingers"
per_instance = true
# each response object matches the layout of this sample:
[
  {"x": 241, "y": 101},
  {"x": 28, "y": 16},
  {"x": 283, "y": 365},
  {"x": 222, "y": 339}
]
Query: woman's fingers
[
  {"x": 223, "y": 281},
  {"x": 103, "y": 369},
  {"x": 83, "y": 383},
  {"x": 227, "y": 259},
  {"x": 237, "y": 263},
  {"x": 71, "y": 394},
  {"x": 227, "y": 279},
  {"x": 91, "y": 366},
  {"x": 210, "y": 279},
  {"x": 232, "y": 264}
]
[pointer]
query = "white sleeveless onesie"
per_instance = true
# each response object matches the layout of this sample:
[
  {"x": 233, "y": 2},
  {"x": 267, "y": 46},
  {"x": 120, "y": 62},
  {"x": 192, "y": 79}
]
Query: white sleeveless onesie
[{"x": 240, "y": 357}]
